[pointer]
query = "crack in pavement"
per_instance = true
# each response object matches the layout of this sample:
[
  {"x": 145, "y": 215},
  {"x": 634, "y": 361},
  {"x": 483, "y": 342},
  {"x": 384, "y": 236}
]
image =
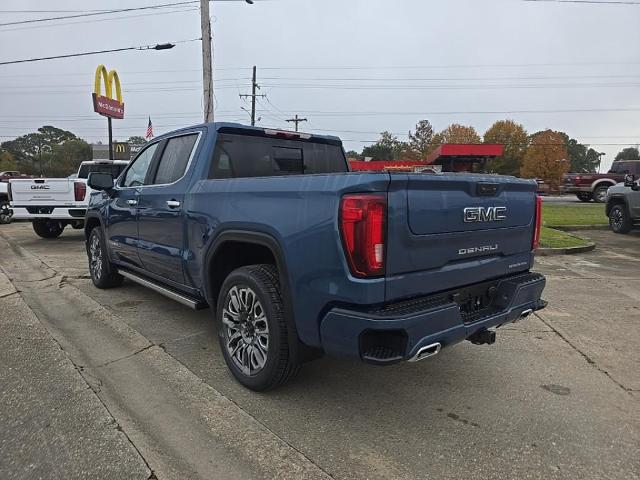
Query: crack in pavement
[
  {"x": 111, "y": 362},
  {"x": 6, "y": 295},
  {"x": 589, "y": 360},
  {"x": 81, "y": 371}
]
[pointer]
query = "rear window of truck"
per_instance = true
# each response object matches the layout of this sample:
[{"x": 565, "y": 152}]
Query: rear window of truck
[
  {"x": 240, "y": 156},
  {"x": 114, "y": 169}
]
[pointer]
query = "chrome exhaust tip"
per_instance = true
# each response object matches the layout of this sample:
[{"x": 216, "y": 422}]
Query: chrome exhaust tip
[
  {"x": 426, "y": 352},
  {"x": 526, "y": 313}
]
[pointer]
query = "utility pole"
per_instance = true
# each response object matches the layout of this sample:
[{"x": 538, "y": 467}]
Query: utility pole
[
  {"x": 253, "y": 95},
  {"x": 297, "y": 120},
  {"x": 207, "y": 61}
]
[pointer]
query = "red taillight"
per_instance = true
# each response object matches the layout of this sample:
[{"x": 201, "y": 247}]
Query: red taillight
[
  {"x": 363, "y": 219},
  {"x": 538, "y": 220},
  {"x": 79, "y": 190}
]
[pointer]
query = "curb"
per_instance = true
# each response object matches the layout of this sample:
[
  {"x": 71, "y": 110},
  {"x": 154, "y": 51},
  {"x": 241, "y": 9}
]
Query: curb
[
  {"x": 545, "y": 252},
  {"x": 568, "y": 228}
]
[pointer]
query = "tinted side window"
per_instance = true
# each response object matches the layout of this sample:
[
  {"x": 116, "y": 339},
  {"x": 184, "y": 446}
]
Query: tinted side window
[
  {"x": 137, "y": 172},
  {"x": 246, "y": 156},
  {"x": 175, "y": 157}
]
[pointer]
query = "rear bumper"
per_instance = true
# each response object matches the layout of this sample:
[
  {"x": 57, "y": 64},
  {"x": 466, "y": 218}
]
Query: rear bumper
[
  {"x": 55, "y": 213},
  {"x": 396, "y": 332}
]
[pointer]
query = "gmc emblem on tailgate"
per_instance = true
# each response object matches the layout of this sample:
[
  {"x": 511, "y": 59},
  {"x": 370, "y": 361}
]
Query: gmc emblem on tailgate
[
  {"x": 485, "y": 214},
  {"x": 40, "y": 187}
]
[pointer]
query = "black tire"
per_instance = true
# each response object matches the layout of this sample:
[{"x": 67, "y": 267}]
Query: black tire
[
  {"x": 5, "y": 213},
  {"x": 619, "y": 219},
  {"x": 47, "y": 228},
  {"x": 242, "y": 334},
  {"x": 103, "y": 273},
  {"x": 600, "y": 194},
  {"x": 584, "y": 196}
]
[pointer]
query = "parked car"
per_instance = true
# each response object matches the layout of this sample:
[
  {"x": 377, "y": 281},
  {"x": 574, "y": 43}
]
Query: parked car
[
  {"x": 594, "y": 186},
  {"x": 623, "y": 205},
  {"x": 53, "y": 203},
  {"x": 7, "y": 175},
  {"x": 5, "y": 208},
  {"x": 298, "y": 256}
]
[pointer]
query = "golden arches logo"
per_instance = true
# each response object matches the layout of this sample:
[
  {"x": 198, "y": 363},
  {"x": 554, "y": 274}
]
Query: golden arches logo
[
  {"x": 109, "y": 79},
  {"x": 105, "y": 104}
]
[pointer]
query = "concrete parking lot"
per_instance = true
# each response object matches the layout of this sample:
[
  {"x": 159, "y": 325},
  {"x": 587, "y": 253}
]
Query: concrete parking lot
[{"x": 557, "y": 396}]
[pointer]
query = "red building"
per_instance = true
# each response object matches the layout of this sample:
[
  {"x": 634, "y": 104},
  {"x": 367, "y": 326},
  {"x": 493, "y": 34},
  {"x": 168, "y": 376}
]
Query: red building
[{"x": 446, "y": 158}]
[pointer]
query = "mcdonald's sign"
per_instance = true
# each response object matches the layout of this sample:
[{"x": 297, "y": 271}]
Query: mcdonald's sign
[
  {"x": 121, "y": 151},
  {"x": 105, "y": 104}
]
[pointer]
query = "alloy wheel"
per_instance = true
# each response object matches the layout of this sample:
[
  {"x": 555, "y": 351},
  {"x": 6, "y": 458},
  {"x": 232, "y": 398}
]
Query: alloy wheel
[
  {"x": 245, "y": 330},
  {"x": 5, "y": 213},
  {"x": 617, "y": 219},
  {"x": 95, "y": 257}
]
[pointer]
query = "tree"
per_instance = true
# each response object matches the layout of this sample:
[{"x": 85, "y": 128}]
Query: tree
[
  {"x": 354, "y": 154},
  {"x": 7, "y": 162},
  {"x": 456, "y": 133},
  {"x": 66, "y": 158},
  {"x": 581, "y": 159},
  {"x": 420, "y": 141},
  {"x": 388, "y": 147},
  {"x": 515, "y": 140},
  {"x": 36, "y": 148},
  {"x": 629, "y": 153},
  {"x": 136, "y": 140},
  {"x": 546, "y": 158}
]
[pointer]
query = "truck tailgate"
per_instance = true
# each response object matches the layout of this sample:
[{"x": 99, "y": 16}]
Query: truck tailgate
[
  {"x": 452, "y": 230},
  {"x": 42, "y": 191}
]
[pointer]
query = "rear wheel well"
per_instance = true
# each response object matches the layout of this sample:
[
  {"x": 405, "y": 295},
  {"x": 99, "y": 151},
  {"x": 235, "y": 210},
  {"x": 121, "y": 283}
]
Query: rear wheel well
[
  {"x": 231, "y": 255},
  {"x": 603, "y": 183},
  {"x": 90, "y": 224}
]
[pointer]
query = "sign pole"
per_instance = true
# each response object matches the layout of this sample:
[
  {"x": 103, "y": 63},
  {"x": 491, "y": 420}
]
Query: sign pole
[{"x": 110, "y": 139}]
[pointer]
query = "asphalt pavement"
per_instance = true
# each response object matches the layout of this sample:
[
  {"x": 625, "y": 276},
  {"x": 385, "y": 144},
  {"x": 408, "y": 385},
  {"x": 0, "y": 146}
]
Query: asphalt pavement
[{"x": 557, "y": 396}]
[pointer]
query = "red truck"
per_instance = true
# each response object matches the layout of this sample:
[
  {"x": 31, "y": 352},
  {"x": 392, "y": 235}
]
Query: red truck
[{"x": 594, "y": 186}]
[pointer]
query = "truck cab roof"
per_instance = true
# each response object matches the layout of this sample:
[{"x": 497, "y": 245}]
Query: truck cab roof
[{"x": 241, "y": 129}]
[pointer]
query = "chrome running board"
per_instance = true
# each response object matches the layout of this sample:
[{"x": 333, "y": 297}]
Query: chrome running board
[{"x": 162, "y": 290}]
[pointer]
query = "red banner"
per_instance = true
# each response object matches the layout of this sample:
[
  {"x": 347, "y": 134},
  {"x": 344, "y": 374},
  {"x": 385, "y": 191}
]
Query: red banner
[{"x": 107, "y": 107}]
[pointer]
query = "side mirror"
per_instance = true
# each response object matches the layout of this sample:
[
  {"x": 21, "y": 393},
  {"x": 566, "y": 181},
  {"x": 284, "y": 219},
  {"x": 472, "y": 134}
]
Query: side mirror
[
  {"x": 100, "y": 181},
  {"x": 630, "y": 180}
]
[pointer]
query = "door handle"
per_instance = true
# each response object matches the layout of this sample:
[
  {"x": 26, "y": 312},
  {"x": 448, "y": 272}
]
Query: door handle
[
  {"x": 132, "y": 202},
  {"x": 173, "y": 203}
]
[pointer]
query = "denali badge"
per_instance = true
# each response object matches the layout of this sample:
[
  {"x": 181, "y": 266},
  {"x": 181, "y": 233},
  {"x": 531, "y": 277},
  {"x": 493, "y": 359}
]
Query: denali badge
[
  {"x": 485, "y": 214},
  {"x": 483, "y": 249}
]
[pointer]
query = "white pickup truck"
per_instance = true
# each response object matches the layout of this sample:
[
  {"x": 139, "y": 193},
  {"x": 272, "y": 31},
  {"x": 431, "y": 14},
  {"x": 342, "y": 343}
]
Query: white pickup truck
[
  {"x": 53, "y": 203},
  {"x": 5, "y": 209}
]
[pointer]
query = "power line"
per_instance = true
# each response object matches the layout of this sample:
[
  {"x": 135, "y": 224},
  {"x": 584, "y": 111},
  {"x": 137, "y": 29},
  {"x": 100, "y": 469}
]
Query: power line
[
  {"x": 449, "y": 87},
  {"x": 91, "y": 14},
  {"x": 596, "y": 2},
  {"x": 159, "y": 46},
  {"x": 31, "y": 27}
]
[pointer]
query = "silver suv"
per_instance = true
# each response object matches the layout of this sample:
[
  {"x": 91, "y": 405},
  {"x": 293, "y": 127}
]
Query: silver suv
[{"x": 623, "y": 205}]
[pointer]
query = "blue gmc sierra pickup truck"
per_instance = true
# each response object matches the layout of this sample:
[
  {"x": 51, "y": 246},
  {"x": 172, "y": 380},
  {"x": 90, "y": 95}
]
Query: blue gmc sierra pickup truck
[{"x": 297, "y": 256}]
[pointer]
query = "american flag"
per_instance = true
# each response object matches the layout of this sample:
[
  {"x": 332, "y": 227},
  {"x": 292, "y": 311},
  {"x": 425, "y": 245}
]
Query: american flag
[{"x": 149, "y": 130}]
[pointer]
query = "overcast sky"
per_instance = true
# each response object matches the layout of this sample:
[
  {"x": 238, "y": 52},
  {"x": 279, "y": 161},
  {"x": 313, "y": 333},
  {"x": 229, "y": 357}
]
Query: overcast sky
[{"x": 352, "y": 67}]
